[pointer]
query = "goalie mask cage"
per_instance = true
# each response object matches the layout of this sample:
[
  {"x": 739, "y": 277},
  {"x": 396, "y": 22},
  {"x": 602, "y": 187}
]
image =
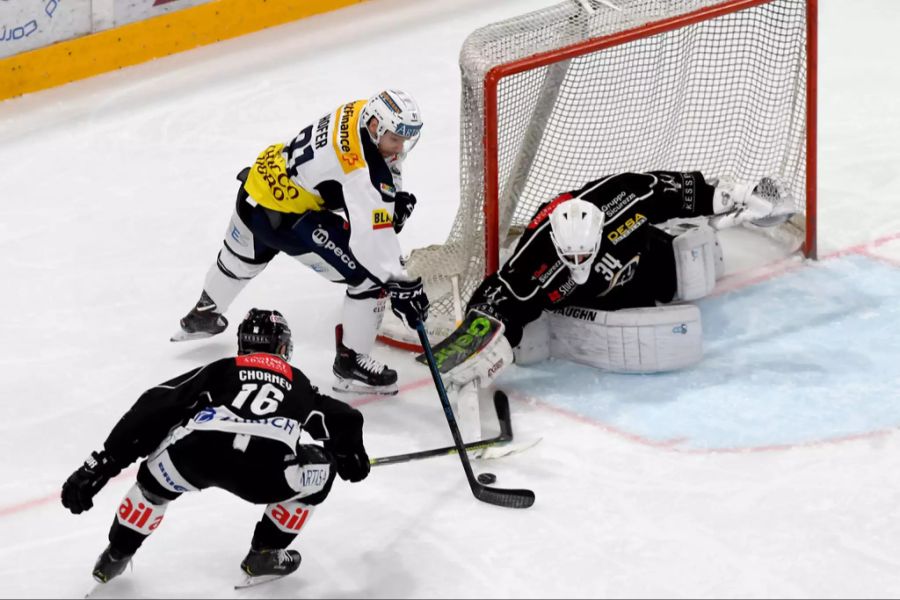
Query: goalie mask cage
[{"x": 578, "y": 90}]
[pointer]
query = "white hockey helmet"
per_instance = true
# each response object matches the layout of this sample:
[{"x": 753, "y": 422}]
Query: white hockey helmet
[
  {"x": 396, "y": 112},
  {"x": 576, "y": 228}
]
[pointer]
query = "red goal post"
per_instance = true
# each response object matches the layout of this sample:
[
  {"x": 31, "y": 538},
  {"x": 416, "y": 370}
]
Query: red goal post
[{"x": 559, "y": 96}]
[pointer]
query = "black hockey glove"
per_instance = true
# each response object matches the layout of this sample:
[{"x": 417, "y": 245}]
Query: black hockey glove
[
  {"x": 404, "y": 203},
  {"x": 80, "y": 488},
  {"x": 352, "y": 466},
  {"x": 408, "y": 301}
]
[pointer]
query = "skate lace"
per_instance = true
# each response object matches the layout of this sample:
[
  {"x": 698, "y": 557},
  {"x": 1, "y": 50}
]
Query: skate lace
[{"x": 369, "y": 364}]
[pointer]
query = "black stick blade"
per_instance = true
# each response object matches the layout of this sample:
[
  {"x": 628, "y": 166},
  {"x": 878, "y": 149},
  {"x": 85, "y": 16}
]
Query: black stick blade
[{"x": 504, "y": 498}]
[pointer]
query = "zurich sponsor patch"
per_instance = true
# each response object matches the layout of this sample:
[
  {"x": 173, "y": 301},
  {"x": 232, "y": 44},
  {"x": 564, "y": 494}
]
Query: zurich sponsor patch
[{"x": 205, "y": 415}]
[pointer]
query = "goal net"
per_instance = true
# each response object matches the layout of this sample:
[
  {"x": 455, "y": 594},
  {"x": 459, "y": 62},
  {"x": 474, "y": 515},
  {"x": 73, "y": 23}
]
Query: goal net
[{"x": 578, "y": 90}]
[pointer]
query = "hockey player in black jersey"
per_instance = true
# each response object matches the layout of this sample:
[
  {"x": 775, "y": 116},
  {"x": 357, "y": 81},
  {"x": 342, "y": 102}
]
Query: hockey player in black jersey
[
  {"x": 234, "y": 424},
  {"x": 595, "y": 259}
]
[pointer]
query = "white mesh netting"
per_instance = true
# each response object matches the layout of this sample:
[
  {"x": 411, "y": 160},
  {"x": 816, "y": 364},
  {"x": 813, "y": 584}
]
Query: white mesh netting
[{"x": 726, "y": 96}]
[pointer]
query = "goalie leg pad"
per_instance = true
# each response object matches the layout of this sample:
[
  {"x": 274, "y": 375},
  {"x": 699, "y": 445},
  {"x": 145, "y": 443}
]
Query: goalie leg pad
[
  {"x": 535, "y": 344},
  {"x": 635, "y": 340},
  {"x": 477, "y": 351},
  {"x": 698, "y": 261}
]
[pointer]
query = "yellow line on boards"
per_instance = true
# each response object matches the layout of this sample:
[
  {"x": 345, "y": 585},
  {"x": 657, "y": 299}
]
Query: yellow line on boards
[{"x": 141, "y": 41}]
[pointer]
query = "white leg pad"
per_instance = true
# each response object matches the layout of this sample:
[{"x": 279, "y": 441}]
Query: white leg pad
[
  {"x": 468, "y": 412},
  {"x": 698, "y": 260},
  {"x": 535, "y": 344},
  {"x": 636, "y": 340},
  {"x": 482, "y": 368}
]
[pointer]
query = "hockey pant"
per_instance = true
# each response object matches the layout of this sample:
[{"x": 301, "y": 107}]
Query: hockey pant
[
  {"x": 258, "y": 470},
  {"x": 318, "y": 239}
]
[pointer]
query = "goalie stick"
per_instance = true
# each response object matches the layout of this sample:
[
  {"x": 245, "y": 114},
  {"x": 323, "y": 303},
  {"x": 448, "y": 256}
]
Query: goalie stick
[
  {"x": 501, "y": 405},
  {"x": 508, "y": 498}
]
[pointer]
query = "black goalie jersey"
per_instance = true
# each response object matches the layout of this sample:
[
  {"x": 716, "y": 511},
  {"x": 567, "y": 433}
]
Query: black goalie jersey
[
  {"x": 634, "y": 265},
  {"x": 260, "y": 395}
]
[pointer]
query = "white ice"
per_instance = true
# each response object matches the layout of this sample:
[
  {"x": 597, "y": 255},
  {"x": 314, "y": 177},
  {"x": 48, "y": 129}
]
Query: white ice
[{"x": 770, "y": 470}]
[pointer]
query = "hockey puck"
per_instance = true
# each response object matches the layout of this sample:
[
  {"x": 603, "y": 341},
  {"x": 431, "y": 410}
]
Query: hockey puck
[{"x": 487, "y": 478}]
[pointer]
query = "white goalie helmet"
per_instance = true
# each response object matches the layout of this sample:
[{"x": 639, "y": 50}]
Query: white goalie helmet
[
  {"x": 396, "y": 112},
  {"x": 576, "y": 228}
]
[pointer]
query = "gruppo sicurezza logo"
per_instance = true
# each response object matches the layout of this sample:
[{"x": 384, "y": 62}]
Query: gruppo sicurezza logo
[{"x": 24, "y": 26}]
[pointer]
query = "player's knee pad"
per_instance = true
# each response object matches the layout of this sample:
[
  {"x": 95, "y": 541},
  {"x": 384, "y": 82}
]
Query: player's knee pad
[
  {"x": 237, "y": 267},
  {"x": 535, "y": 344},
  {"x": 138, "y": 513},
  {"x": 698, "y": 259},
  {"x": 636, "y": 340}
]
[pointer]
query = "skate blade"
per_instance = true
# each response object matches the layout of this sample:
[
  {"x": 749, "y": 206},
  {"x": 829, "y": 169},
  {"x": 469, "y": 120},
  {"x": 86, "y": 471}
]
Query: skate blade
[
  {"x": 498, "y": 451},
  {"x": 355, "y": 387},
  {"x": 183, "y": 336},
  {"x": 250, "y": 580}
]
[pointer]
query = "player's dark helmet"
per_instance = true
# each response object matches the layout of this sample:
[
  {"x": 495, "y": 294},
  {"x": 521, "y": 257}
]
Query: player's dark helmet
[{"x": 265, "y": 331}]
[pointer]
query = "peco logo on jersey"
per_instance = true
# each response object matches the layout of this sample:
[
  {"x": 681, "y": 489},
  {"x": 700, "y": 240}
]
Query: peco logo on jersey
[
  {"x": 627, "y": 228},
  {"x": 320, "y": 238},
  {"x": 381, "y": 219},
  {"x": 346, "y": 140},
  {"x": 680, "y": 329}
]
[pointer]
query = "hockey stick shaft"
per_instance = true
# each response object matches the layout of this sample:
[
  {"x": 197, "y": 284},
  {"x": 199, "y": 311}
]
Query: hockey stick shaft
[
  {"x": 501, "y": 405},
  {"x": 500, "y": 497}
]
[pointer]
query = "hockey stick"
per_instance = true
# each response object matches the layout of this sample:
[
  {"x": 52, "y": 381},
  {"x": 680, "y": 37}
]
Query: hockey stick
[
  {"x": 501, "y": 405},
  {"x": 497, "y": 496}
]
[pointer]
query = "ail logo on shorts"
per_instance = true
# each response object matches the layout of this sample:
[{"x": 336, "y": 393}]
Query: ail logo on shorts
[
  {"x": 267, "y": 362},
  {"x": 381, "y": 219},
  {"x": 287, "y": 520}
]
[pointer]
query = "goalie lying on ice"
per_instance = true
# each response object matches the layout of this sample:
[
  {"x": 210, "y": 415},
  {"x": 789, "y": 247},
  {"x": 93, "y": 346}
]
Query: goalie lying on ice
[{"x": 594, "y": 280}]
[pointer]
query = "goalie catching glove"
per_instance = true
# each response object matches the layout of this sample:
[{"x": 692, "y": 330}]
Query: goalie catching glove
[{"x": 765, "y": 204}]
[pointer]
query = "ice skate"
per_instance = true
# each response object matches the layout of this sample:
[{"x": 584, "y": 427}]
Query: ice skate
[
  {"x": 203, "y": 321},
  {"x": 261, "y": 566},
  {"x": 360, "y": 373},
  {"x": 110, "y": 565}
]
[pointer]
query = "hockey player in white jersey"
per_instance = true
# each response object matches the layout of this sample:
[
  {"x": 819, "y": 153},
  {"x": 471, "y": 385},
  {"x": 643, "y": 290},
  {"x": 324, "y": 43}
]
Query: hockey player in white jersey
[{"x": 331, "y": 198}]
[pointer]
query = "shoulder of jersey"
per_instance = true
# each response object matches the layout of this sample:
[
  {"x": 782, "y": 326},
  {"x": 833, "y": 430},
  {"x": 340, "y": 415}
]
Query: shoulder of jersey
[{"x": 345, "y": 138}]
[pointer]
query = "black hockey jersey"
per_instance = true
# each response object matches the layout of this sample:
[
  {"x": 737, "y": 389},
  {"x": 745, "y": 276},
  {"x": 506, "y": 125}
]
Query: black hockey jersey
[
  {"x": 255, "y": 394},
  {"x": 634, "y": 265}
]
